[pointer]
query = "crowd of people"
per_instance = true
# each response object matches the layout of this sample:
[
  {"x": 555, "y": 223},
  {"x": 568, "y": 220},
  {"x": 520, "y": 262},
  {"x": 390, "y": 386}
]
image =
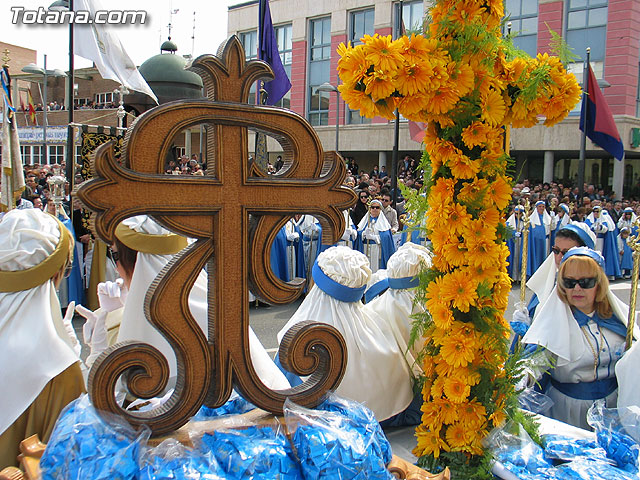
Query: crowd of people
[{"x": 363, "y": 286}]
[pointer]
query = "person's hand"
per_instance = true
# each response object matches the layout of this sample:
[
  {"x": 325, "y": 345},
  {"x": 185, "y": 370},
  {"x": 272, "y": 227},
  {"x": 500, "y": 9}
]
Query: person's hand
[
  {"x": 368, "y": 233},
  {"x": 292, "y": 236},
  {"x": 68, "y": 327},
  {"x": 112, "y": 295},
  {"x": 94, "y": 332},
  {"x": 86, "y": 238},
  {"x": 518, "y": 234}
]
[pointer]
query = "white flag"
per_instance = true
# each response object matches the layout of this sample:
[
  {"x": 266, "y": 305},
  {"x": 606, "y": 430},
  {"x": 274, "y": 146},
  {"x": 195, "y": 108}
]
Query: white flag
[
  {"x": 104, "y": 48},
  {"x": 12, "y": 182}
]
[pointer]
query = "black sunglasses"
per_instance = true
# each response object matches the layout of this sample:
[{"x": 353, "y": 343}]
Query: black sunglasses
[
  {"x": 557, "y": 251},
  {"x": 374, "y": 208},
  {"x": 585, "y": 283},
  {"x": 115, "y": 256}
]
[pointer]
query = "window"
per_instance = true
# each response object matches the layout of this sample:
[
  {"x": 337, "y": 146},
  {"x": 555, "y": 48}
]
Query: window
[
  {"x": 56, "y": 154},
  {"x": 319, "y": 68},
  {"x": 249, "y": 42},
  {"x": 412, "y": 17},
  {"x": 587, "y": 27},
  {"x": 283, "y": 37},
  {"x": 31, "y": 154},
  {"x": 104, "y": 98},
  {"x": 523, "y": 15},
  {"x": 360, "y": 24}
]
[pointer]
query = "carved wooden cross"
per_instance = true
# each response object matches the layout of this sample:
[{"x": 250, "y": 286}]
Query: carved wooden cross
[{"x": 215, "y": 209}]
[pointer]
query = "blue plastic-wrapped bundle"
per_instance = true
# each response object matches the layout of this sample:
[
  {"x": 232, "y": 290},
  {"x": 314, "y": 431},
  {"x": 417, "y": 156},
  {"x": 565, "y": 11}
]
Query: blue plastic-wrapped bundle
[
  {"x": 362, "y": 417},
  {"x": 617, "y": 431},
  {"x": 173, "y": 461},
  {"x": 257, "y": 453},
  {"x": 336, "y": 445},
  {"x": 561, "y": 447},
  {"x": 85, "y": 445},
  {"x": 585, "y": 469},
  {"x": 235, "y": 406}
]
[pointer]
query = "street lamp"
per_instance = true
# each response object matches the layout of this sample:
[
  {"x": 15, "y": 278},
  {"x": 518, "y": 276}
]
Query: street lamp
[
  {"x": 327, "y": 87},
  {"x": 67, "y": 5},
  {"x": 34, "y": 69}
]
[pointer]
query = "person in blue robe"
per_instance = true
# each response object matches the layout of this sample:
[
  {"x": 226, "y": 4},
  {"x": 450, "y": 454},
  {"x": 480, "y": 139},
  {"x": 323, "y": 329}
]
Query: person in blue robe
[
  {"x": 626, "y": 254},
  {"x": 279, "y": 261},
  {"x": 606, "y": 243},
  {"x": 295, "y": 250},
  {"x": 539, "y": 230},
  {"x": 374, "y": 237},
  {"x": 515, "y": 222}
]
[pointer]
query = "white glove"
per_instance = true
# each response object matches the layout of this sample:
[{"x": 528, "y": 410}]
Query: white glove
[
  {"x": 368, "y": 233},
  {"x": 346, "y": 236},
  {"x": 94, "y": 332},
  {"x": 293, "y": 236},
  {"x": 353, "y": 232},
  {"x": 68, "y": 327},
  {"x": 518, "y": 234},
  {"x": 521, "y": 316},
  {"x": 112, "y": 295}
]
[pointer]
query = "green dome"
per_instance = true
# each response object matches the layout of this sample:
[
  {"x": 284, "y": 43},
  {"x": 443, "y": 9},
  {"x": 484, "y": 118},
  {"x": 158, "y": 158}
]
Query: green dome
[
  {"x": 169, "y": 68},
  {"x": 168, "y": 46}
]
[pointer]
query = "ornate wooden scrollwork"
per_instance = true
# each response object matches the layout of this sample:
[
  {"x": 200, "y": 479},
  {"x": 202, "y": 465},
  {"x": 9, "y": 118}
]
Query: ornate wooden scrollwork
[{"x": 215, "y": 209}]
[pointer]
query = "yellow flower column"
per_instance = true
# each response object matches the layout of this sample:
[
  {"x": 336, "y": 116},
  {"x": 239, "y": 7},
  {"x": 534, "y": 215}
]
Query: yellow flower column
[{"x": 463, "y": 80}]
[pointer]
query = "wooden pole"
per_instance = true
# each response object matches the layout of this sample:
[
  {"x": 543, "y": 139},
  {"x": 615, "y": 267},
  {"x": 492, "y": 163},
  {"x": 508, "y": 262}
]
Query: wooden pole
[
  {"x": 634, "y": 242},
  {"x": 525, "y": 251}
]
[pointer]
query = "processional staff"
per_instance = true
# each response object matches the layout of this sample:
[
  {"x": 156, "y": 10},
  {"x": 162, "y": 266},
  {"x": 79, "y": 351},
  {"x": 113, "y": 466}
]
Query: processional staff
[
  {"x": 526, "y": 219},
  {"x": 634, "y": 243}
]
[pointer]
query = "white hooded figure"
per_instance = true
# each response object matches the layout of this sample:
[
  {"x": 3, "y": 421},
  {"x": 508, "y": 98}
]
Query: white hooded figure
[
  {"x": 310, "y": 229},
  {"x": 377, "y": 373},
  {"x": 395, "y": 306},
  {"x": 582, "y": 349},
  {"x": 375, "y": 239},
  {"x": 626, "y": 373},
  {"x": 601, "y": 223},
  {"x": 350, "y": 231},
  {"x": 39, "y": 364},
  {"x": 135, "y": 325}
]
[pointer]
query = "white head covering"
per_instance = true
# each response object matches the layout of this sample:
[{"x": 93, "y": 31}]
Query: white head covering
[
  {"x": 135, "y": 326},
  {"x": 544, "y": 278},
  {"x": 626, "y": 373},
  {"x": 395, "y": 306},
  {"x": 605, "y": 218},
  {"x": 379, "y": 225},
  {"x": 555, "y": 328},
  {"x": 375, "y": 365},
  {"x": 34, "y": 345},
  {"x": 535, "y": 217}
]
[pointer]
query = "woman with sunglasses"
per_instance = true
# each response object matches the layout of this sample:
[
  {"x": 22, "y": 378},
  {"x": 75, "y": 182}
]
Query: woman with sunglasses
[
  {"x": 374, "y": 237},
  {"x": 361, "y": 207},
  {"x": 582, "y": 328}
]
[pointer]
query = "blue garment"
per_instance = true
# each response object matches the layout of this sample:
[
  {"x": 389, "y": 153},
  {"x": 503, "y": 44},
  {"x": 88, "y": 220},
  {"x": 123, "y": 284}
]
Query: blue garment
[
  {"x": 537, "y": 247},
  {"x": 299, "y": 252},
  {"x": 414, "y": 238},
  {"x": 279, "y": 260},
  {"x": 612, "y": 323},
  {"x": 512, "y": 269},
  {"x": 609, "y": 252},
  {"x": 387, "y": 247},
  {"x": 626, "y": 262},
  {"x": 75, "y": 285}
]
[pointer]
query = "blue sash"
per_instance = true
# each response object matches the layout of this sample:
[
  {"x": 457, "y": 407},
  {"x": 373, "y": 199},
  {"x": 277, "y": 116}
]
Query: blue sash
[
  {"x": 404, "y": 282},
  {"x": 587, "y": 390},
  {"x": 335, "y": 289}
]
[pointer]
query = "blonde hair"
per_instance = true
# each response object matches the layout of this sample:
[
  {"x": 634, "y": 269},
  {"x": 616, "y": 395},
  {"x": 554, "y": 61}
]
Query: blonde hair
[{"x": 587, "y": 266}]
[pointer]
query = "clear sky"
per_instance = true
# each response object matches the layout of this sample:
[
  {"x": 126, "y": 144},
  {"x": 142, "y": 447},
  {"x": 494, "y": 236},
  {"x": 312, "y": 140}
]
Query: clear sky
[{"x": 140, "y": 41}]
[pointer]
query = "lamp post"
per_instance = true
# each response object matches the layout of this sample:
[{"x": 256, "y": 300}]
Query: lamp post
[
  {"x": 33, "y": 68},
  {"x": 67, "y": 5},
  {"x": 327, "y": 87}
]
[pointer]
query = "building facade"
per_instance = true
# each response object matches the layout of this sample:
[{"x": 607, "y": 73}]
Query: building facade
[{"x": 309, "y": 33}]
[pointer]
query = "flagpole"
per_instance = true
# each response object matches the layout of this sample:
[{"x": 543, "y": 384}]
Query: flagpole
[
  {"x": 70, "y": 170},
  {"x": 396, "y": 130},
  {"x": 583, "y": 116}
]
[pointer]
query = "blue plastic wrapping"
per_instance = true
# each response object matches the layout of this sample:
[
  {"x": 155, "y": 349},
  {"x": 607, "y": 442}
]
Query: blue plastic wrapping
[
  {"x": 616, "y": 432},
  {"x": 173, "y": 461},
  {"x": 234, "y": 406},
  {"x": 338, "y": 441},
  {"x": 561, "y": 447},
  {"x": 362, "y": 417},
  {"x": 257, "y": 453},
  {"x": 585, "y": 469},
  {"x": 519, "y": 328},
  {"x": 86, "y": 445}
]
